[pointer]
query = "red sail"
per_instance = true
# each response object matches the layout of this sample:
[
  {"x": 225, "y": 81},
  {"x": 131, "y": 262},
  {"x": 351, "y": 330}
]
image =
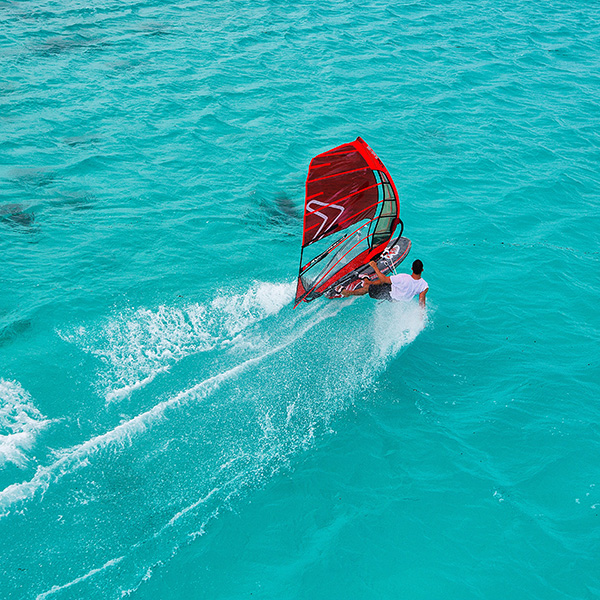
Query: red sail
[
  {"x": 340, "y": 190},
  {"x": 345, "y": 186}
]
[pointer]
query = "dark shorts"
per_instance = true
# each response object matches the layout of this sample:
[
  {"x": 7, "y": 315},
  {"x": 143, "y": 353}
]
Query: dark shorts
[{"x": 381, "y": 292}]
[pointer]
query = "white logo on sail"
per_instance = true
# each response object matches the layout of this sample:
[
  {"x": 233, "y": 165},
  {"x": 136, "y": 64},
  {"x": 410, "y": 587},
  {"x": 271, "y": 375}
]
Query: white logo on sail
[{"x": 310, "y": 208}]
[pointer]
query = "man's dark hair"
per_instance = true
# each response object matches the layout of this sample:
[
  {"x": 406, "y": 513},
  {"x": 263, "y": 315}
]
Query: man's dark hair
[{"x": 417, "y": 267}]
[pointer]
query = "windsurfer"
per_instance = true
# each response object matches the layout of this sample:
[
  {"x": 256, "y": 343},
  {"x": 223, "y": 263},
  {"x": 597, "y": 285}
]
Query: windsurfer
[{"x": 394, "y": 287}]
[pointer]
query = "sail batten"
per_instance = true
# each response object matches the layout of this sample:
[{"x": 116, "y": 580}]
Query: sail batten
[{"x": 335, "y": 174}]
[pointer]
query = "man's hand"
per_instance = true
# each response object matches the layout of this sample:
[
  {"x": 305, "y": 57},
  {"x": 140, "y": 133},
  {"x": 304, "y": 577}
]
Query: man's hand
[{"x": 382, "y": 278}]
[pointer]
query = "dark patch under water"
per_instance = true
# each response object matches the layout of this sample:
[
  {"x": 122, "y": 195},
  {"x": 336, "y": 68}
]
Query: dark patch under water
[
  {"x": 15, "y": 215},
  {"x": 33, "y": 178},
  {"x": 79, "y": 140},
  {"x": 77, "y": 201},
  {"x": 9, "y": 332},
  {"x": 286, "y": 207},
  {"x": 280, "y": 215},
  {"x": 56, "y": 45}
]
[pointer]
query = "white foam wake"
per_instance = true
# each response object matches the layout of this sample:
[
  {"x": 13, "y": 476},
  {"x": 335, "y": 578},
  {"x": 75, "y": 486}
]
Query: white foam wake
[
  {"x": 136, "y": 346},
  {"x": 291, "y": 398},
  {"x": 396, "y": 325},
  {"x": 20, "y": 423},
  {"x": 77, "y": 456},
  {"x": 58, "y": 588}
]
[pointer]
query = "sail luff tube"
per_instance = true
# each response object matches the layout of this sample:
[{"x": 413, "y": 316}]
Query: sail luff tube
[{"x": 345, "y": 186}]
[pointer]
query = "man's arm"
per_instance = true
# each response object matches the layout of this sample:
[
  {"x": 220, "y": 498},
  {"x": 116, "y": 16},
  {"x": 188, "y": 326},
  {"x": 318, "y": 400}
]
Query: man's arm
[
  {"x": 368, "y": 282},
  {"x": 422, "y": 298},
  {"x": 382, "y": 278}
]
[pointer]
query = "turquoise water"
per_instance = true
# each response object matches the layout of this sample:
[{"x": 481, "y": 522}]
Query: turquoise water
[{"x": 171, "y": 428}]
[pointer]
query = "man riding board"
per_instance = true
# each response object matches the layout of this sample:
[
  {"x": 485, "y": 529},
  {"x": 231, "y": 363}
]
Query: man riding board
[{"x": 394, "y": 287}]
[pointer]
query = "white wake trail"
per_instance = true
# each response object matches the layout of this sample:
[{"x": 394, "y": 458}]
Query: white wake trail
[
  {"x": 134, "y": 347},
  {"x": 78, "y": 455}
]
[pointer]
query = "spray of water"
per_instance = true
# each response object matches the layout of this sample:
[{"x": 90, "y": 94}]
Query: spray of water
[
  {"x": 157, "y": 479},
  {"x": 20, "y": 424}
]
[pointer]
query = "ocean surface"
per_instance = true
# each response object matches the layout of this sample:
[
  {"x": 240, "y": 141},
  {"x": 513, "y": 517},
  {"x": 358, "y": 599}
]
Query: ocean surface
[{"x": 170, "y": 428}]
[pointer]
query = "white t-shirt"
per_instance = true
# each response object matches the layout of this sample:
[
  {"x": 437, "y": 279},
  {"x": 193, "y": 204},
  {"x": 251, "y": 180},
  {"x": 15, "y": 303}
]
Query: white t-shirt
[{"x": 404, "y": 287}]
